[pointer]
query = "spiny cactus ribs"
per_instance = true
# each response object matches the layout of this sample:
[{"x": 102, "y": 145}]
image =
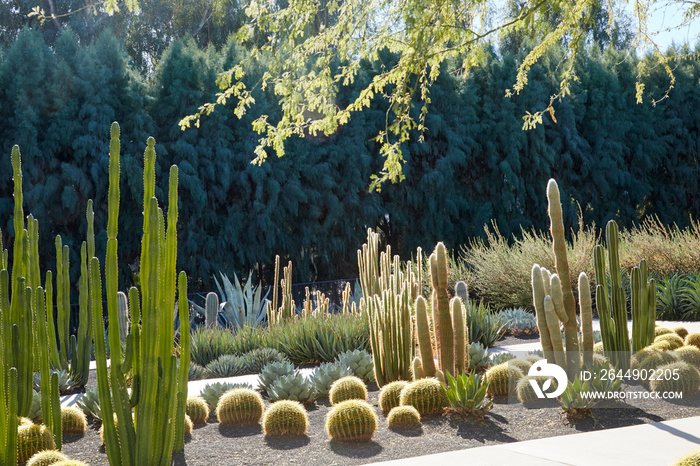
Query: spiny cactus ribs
[
  {"x": 351, "y": 421},
  {"x": 285, "y": 417}
]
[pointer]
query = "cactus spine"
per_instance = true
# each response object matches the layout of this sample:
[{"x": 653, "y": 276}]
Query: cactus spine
[
  {"x": 240, "y": 406},
  {"x": 287, "y": 309},
  {"x": 442, "y": 320},
  {"x": 426, "y": 395},
  {"x": 351, "y": 421},
  {"x": 285, "y": 417}
]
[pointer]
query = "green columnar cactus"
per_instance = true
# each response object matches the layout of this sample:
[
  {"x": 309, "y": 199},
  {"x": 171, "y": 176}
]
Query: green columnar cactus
[
  {"x": 502, "y": 380},
  {"x": 586, "y": 310},
  {"x": 73, "y": 421},
  {"x": 32, "y": 439},
  {"x": 687, "y": 382},
  {"x": 460, "y": 339},
  {"x": 8, "y": 416},
  {"x": 351, "y": 421},
  {"x": 550, "y": 312},
  {"x": 426, "y": 395},
  {"x": 158, "y": 392},
  {"x": 612, "y": 304},
  {"x": 285, "y": 417},
  {"x": 123, "y": 311},
  {"x": 442, "y": 320},
  {"x": 390, "y": 394},
  {"x": 46, "y": 458},
  {"x": 240, "y": 406},
  {"x": 347, "y": 388},
  {"x": 386, "y": 290},
  {"x": 211, "y": 309},
  {"x": 402, "y": 417},
  {"x": 562, "y": 266},
  {"x": 425, "y": 345},
  {"x": 62, "y": 302},
  {"x": 197, "y": 409}
]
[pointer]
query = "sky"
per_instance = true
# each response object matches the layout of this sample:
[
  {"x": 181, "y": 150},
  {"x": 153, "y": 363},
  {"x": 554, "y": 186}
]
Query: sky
[{"x": 665, "y": 21}]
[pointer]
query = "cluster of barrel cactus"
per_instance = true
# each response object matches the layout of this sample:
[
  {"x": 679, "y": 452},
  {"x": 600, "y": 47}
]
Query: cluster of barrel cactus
[
  {"x": 390, "y": 394},
  {"x": 426, "y": 395},
  {"x": 285, "y": 417},
  {"x": 351, "y": 421},
  {"x": 240, "y": 406},
  {"x": 503, "y": 379},
  {"x": 327, "y": 373},
  {"x": 197, "y": 409}
]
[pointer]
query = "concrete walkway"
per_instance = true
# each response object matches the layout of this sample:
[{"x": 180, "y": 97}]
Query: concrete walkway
[{"x": 657, "y": 444}]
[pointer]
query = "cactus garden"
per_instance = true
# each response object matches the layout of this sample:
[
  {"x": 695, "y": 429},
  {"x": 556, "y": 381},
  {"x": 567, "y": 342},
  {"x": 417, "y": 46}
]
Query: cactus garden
[{"x": 413, "y": 361}]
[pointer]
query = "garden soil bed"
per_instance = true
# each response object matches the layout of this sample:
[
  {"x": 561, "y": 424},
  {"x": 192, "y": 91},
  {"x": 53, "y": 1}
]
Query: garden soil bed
[{"x": 215, "y": 444}]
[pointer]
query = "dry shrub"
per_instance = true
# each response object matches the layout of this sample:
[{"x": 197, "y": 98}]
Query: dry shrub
[
  {"x": 499, "y": 270},
  {"x": 667, "y": 250}
]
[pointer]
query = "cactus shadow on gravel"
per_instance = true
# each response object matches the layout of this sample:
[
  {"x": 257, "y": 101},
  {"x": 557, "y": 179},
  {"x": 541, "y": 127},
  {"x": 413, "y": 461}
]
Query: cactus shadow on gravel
[
  {"x": 286, "y": 442},
  {"x": 356, "y": 450},
  {"x": 415, "y": 431},
  {"x": 240, "y": 431},
  {"x": 481, "y": 431}
]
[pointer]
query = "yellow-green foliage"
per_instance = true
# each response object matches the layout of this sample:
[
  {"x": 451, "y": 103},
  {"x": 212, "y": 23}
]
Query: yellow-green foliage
[
  {"x": 680, "y": 331},
  {"x": 689, "y": 354},
  {"x": 691, "y": 459},
  {"x": 46, "y": 458},
  {"x": 426, "y": 395},
  {"x": 521, "y": 364},
  {"x": 347, "y": 388},
  {"x": 351, "y": 421},
  {"x": 688, "y": 381},
  {"x": 672, "y": 338},
  {"x": 32, "y": 439},
  {"x": 502, "y": 379},
  {"x": 285, "y": 417},
  {"x": 188, "y": 425},
  {"x": 693, "y": 339},
  {"x": 240, "y": 406},
  {"x": 73, "y": 420},
  {"x": 390, "y": 394},
  {"x": 402, "y": 417},
  {"x": 197, "y": 409},
  {"x": 662, "y": 331}
]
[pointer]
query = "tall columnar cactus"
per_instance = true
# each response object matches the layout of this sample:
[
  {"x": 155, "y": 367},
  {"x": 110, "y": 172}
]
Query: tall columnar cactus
[
  {"x": 287, "y": 309},
  {"x": 425, "y": 343},
  {"x": 462, "y": 291},
  {"x": 612, "y": 303},
  {"x": 586, "y": 311},
  {"x": 460, "y": 336},
  {"x": 211, "y": 309},
  {"x": 442, "y": 319},
  {"x": 562, "y": 266},
  {"x": 158, "y": 392}
]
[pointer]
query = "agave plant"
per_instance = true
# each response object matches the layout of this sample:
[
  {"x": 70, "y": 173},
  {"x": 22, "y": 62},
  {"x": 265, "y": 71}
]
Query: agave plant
[
  {"x": 66, "y": 382},
  {"x": 690, "y": 299},
  {"x": 227, "y": 365},
  {"x": 669, "y": 297},
  {"x": 258, "y": 358},
  {"x": 477, "y": 357},
  {"x": 484, "y": 326},
  {"x": 274, "y": 371},
  {"x": 575, "y": 404},
  {"x": 360, "y": 363},
  {"x": 467, "y": 395},
  {"x": 519, "y": 321},
  {"x": 35, "y": 411},
  {"x": 599, "y": 381},
  {"x": 293, "y": 387},
  {"x": 89, "y": 402},
  {"x": 498, "y": 358},
  {"x": 242, "y": 306},
  {"x": 327, "y": 373}
]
